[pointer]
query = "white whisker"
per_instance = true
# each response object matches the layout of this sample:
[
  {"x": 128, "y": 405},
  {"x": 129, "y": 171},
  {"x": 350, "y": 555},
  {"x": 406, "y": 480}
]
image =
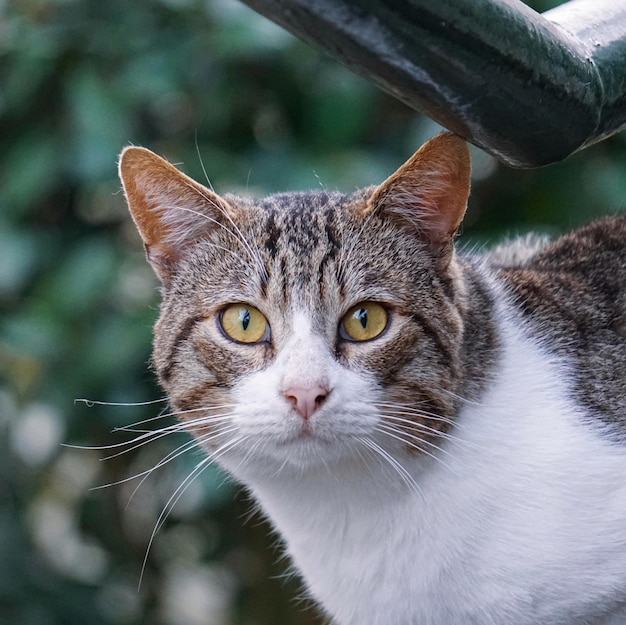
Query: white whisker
[
  {"x": 172, "y": 455},
  {"x": 90, "y": 403},
  {"x": 402, "y": 436},
  {"x": 185, "y": 209},
  {"x": 179, "y": 492},
  {"x": 149, "y": 437},
  {"x": 250, "y": 451},
  {"x": 179, "y": 451},
  {"x": 167, "y": 509},
  {"x": 402, "y": 409},
  {"x": 206, "y": 176},
  {"x": 406, "y": 477},
  {"x": 462, "y": 399},
  {"x": 422, "y": 426},
  {"x": 182, "y": 426},
  {"x": 175, "y": 413}
]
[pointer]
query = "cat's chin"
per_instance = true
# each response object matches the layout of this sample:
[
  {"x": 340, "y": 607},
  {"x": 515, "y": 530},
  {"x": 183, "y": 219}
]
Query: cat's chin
[
  {"x": 295, "y": 452},
  {"x": 307, "y": 449}
]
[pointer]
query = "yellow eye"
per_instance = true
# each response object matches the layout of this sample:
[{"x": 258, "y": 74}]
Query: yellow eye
[
  {"x": 363, "y": 322},
  {"x": 244, "y": 324}
]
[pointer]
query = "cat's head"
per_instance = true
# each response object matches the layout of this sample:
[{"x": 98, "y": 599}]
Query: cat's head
[{"x": 307, "y": 327}]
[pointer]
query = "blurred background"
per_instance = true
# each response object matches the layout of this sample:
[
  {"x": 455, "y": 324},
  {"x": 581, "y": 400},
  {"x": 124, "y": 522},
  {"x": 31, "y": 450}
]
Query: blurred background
[{"x": 198, "y": 81}]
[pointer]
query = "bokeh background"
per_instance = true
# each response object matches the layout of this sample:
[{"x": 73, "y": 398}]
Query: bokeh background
[{"x": 200, "y": 82}]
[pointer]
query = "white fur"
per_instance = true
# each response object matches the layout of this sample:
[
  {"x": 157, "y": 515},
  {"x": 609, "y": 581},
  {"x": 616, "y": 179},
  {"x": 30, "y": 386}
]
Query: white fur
[{"x": 525, "y": 523}]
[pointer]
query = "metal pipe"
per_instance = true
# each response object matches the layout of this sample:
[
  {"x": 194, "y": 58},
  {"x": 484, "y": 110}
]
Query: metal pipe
[{"x": 529, "y": 88}]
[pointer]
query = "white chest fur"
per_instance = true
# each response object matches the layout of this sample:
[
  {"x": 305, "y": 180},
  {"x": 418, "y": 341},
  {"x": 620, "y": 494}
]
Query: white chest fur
[{"x": 524, "y": 523}]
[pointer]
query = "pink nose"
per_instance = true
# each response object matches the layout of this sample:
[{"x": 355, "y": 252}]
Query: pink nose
[{"x": 306, "y": 400}]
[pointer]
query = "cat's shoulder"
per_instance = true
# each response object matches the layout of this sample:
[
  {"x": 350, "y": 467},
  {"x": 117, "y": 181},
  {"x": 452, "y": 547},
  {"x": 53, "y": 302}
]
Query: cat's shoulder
[
  {"x": 572, "y": 293},
  {"x": 516, "y": 252},
  {"x": 583, "y": 271},
  {"x": 591, "y": 248},
  {"x": 597, "y": 241}
]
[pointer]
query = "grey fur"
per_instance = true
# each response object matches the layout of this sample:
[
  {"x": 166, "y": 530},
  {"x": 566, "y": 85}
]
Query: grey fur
[{"x": 517, "y": 252}]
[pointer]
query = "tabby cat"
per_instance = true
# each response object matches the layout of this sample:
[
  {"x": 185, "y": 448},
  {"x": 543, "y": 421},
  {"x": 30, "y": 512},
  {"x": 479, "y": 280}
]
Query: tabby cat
[{"x": 439, "y": 438}]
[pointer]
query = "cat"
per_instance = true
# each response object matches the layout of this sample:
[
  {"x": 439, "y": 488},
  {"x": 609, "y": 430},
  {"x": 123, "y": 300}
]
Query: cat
[{"x": 439, "y": 438}]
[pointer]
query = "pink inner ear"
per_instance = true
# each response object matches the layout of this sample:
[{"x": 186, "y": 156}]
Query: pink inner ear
[
  {"x": 430, "y": 191},
  {"x": 168, "y": 207}
]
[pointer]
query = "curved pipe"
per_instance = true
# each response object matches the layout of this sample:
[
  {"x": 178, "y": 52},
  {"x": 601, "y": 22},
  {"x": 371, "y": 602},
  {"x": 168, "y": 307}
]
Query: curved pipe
[{"x": 528, "y": 88}]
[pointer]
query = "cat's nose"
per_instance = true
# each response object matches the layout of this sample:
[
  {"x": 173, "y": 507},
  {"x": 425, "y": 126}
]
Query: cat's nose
[{"x": 306, "y": 401}]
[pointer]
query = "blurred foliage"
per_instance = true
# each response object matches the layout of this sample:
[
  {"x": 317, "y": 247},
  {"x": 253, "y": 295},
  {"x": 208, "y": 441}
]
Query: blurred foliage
[{"x": 201, "y": 82}]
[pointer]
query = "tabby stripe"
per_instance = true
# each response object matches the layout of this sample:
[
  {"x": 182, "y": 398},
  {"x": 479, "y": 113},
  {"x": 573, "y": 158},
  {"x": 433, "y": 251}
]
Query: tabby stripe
[
  {"x": 181, "y": 337},
  {"x": 197, "y": 396},
  {"x": 283, "y": 273},
  {"x": 431, "y": 332}
]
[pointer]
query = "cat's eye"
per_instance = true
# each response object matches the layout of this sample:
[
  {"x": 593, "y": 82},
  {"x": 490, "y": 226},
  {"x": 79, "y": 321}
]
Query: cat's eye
[
  {"x": 363, "y": 322},
  {"x": 244, "y": 324}
]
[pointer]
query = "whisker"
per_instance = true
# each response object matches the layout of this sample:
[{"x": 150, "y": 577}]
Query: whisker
[
  {"x": 422, "y": 426},
  {"x": 206, "y": 176},
  {"x": 173, "y": 455},
  {"x": 180, "y": 426},
  {"x": 214, "y": 455},
  {"x": 143, "y": 474},
  {"x": 406, "y": 477},
  {"x": 143, "y": 439},
  {"x": 250, "y": 451},
  {"x": 167, "y": 509},
  {"x": 319, "y": 180},
  {"x": 174, "y": 413},
  {"x": 186, "y": 209},
  {"x": 414, "y": 435},
  {"x": 462, "y": 399},
  {"x": 418, "y": 425},
  {"x": 393, "y": 433},
  {"x": 148, "y": 436},
  {"x": 90, "y": 403},
  {"x": 400, "y": 409},
  {"x": 178, "y": 493},
  {"x": 153, "y": 435}
]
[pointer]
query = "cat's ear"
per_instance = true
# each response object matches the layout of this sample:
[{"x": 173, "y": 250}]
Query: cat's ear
[
  {"x": 429, "y": 192},
  {"x": 168, "y": 207}
]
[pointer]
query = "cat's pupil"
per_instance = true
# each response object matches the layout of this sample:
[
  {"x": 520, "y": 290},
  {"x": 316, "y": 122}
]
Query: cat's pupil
[
  {"x": 244, "y": 317},
  {"x": 361, "y": 315}
]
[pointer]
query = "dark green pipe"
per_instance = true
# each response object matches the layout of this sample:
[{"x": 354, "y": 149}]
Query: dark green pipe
[{"x": 529, "y": 88}]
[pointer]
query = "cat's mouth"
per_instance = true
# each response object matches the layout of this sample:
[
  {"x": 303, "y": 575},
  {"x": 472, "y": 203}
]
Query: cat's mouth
[
  {"x": 305, "y": 432},
  {"x": 307, "y": 440}
]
